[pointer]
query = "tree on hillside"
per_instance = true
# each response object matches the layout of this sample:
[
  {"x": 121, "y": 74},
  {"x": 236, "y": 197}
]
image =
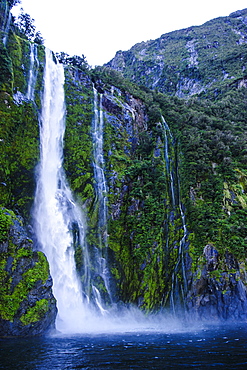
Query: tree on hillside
[
  {"x": 13, "y": 2},
  {"x": 25, "y": 25}
]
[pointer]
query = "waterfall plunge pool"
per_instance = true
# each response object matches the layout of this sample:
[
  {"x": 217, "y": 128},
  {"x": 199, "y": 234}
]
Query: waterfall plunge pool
[{"x": 212, "y": 346}]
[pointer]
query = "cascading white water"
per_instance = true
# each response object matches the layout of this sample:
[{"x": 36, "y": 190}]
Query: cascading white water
[
  {"x": 55, "y": 211},
  {"x": 100, "y": 188},
  {"x": 33, "y": 71}
]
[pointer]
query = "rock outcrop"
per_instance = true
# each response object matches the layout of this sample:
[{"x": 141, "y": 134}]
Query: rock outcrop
[
  {"x": 218, "y": 290},
  {"x": 27, "y": 305}
]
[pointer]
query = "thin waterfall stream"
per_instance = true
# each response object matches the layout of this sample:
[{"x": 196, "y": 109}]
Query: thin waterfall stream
[
  {"x": 101, "y": 195},
  {"x": 33, "y": 71},
  {"x": 6, "y": 23},
  {"x": 178, "y": 289}
]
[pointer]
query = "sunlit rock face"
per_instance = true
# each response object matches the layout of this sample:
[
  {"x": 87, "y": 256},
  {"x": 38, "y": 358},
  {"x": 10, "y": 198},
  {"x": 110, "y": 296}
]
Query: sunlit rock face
[{"x": 28, "y": 306}]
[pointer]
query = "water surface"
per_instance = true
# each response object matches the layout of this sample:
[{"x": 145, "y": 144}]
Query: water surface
[{"x": 222, "y": 347}]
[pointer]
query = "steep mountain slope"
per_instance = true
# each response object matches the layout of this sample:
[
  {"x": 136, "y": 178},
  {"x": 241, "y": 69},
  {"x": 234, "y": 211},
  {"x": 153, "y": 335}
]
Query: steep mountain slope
[{"x": 195, "y": 60}]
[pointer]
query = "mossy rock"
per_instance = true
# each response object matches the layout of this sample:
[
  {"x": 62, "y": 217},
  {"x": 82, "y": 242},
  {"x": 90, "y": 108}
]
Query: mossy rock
[{"x": 27, "y": 305}]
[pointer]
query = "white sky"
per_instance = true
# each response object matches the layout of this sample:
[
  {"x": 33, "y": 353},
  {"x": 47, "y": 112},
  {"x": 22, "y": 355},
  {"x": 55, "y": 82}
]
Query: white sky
[{"x": 99, "y": 28}]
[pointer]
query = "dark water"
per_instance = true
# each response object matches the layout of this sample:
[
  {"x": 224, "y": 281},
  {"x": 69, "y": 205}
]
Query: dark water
[{"x": 222, "y": 347}]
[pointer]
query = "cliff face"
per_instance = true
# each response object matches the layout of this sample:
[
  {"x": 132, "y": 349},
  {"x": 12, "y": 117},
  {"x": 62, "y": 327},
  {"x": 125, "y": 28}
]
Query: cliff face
[
  {"x": 157, "y": 174},
  {"x": 175, "y": 173},
  {"x": 208, "y": 62},
  {"x": 136, "y": 189},
  {"x": 191, "y": 61}
]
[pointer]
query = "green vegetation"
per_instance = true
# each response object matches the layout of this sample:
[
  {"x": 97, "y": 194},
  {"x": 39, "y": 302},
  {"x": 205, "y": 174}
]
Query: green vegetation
[
  {"x": 19, "y": 148},
  {"x": 211, "y": 154},
  {"x": 6, "y": 220},
  {"x": 20, "y": 270},
  {"x": 78, "y": 140},
  {"x": 19, "y": 126},
  {"x": 12, "y": 297}
]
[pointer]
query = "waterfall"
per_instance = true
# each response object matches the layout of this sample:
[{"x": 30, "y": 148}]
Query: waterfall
[
  {"x": 60, "y": 227},
  {"x": 172, "y": 172},
  {"x": 6, "y": 23},
  {"x": 55, "y": 211},
  {"x": 167, "y": 159},
  {"x": 33, "y": 71},
  {"x": 100, "y": 190}
]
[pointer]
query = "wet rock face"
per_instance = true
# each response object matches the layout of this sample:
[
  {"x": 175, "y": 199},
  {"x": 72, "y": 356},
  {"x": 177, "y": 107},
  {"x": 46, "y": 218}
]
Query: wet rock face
[
  {"x": 27, "y": 305},
  {"x": 211, "y": 256},
  {"x": 218, "y": 290}
]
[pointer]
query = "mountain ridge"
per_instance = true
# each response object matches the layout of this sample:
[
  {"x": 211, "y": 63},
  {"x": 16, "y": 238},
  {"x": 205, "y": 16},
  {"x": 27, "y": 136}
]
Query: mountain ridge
[{"x": 191, "y": 60}]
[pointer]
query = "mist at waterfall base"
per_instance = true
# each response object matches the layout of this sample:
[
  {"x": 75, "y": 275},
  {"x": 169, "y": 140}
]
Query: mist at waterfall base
[{"x": 217, "y": 347}]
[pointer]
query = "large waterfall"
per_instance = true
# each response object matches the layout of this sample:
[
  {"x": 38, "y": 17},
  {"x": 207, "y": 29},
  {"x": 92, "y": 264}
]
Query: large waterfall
[{"x": 56, "y": 214}]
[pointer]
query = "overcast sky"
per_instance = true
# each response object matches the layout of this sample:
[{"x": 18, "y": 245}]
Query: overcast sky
[{"x": 99, "y": 28}]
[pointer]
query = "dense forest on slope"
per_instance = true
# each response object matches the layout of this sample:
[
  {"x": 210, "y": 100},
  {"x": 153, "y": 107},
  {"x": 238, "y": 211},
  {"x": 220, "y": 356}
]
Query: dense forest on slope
[{"x": 176, "y": 169}]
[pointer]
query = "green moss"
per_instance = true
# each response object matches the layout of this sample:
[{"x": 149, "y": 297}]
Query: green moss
[
  {"x": 20, "y": 148},
  {"x": 10, "y": 301},
  {"x": 6, "y": 220},
  {"x": 78, "y": 141},
  {"x": 6, "y": 77},
  {"x": 34, "y": 268},
  {"x": 35, "y": 313},
  {"x": 18, "y": 126}
]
